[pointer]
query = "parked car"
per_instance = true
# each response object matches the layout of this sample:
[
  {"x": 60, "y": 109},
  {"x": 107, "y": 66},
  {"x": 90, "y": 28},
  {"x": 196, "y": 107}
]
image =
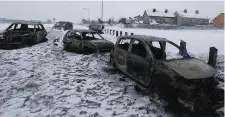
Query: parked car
[
  {"x": 86, "y": 41},
  {"x": 20, "y": 34},
  {"x": 63, "y": 25},
  {"x": 97, "y": 27},
  {"x": 179, "y": 78}
]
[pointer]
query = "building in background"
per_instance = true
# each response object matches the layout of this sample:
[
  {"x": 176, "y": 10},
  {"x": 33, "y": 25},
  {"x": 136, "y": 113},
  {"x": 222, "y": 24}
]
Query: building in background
[
  {"x": 190, "y": 18},
  {"x": 219, "y": 20},
  {"x": 138, "y": 19},
  {"x": 158, "y": 17},
  {"x": 183, "y": 18}
]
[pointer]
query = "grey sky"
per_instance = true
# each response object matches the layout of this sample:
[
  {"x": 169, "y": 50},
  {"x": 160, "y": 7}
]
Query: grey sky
[{"x": 72, "y": 10}]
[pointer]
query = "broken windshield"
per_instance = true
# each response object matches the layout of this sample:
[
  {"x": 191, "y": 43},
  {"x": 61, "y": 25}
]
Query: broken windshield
[{"x": 91, "y": 36}]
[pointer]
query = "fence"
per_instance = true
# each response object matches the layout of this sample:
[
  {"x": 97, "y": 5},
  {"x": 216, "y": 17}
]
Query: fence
[
  {"x": 116, "y": 33},
  {"x": 183, "y": 50}
]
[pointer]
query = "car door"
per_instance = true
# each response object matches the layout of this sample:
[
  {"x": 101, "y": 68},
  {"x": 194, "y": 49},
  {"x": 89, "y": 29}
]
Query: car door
[
  {"x": 76, "y": 40},
  {"x": 40, "y": 31},
  {"x": 120, "y": 53},
  {"x": 139, "y": 62}
]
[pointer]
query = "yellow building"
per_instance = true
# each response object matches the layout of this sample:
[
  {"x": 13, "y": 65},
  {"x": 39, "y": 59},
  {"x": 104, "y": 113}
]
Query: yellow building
[{"x": 219, "y": 20}]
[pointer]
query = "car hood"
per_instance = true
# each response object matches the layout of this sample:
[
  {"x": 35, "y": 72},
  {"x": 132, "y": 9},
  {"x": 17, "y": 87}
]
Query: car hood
[
  {"x": 191, "y": 68},
  {"x": 102, "y": 43}
]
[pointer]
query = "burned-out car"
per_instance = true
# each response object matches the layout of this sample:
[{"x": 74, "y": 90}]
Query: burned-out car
[
  {"x": 97, "y": 27},
  {"x": 86, "y": 41},
  {"x": 63, "y": 25},
  {"x": 179, "y": 78},
  {"x": 20, "y": 34}
]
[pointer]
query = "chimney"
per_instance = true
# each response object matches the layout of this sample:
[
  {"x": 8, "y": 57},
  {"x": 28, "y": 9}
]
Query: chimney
[
  {"x": 185, "y": 10},
  {"x": 166, "y": 11},
  {"x": 197, "y": 11},
  {"x": 154, "y": 10}
]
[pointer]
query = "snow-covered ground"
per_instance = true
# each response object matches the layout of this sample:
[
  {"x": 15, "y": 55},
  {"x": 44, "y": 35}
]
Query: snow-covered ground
[{"x": 43, "y": 80}]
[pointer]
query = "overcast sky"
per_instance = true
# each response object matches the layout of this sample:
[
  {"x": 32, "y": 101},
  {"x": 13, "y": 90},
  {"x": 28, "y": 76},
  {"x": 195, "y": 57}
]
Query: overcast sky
[{"x": 73, "y": 10}]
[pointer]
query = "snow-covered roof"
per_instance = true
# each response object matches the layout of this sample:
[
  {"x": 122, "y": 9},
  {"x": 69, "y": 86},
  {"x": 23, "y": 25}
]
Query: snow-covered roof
[
  {"x": 160, "y": 13},
  {"x": 191, "y": 14}
]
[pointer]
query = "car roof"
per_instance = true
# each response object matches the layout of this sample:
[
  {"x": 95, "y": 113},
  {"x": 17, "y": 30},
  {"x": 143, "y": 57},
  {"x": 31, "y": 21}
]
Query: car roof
[
  {"x": 146, "y": 38},
  {"x": 82, "y": 30},
  {"x": 27, "y": 22}
]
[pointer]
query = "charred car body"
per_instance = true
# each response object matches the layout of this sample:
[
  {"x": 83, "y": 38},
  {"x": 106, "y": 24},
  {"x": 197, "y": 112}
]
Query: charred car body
[
  {"x": 97, "y": 27},
  {"x": 21, "y": 34},
  {"x": 86, "y": 41},
  {"x": 63, "y": 25},
  {"x": 182, "y": 79}
]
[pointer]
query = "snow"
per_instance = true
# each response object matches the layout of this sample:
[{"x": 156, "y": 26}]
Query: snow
[
  {"x": 44, "y": 80},
  {"x": 198, "y": 41}
]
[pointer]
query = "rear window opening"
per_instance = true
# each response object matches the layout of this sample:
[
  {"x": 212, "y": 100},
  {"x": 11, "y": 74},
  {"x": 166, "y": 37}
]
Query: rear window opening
[
  {"x": 124, "y": 44},
  {"x": 138, "y": 49}
]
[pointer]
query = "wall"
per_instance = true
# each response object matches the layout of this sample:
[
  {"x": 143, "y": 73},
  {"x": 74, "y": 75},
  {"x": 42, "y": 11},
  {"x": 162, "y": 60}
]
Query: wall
[
  {"x": 145, "y": 18},
  {"x": 186, "y": 21},
  {"x": 164, "y": 20},
  {"x": 219, "y": 20}
]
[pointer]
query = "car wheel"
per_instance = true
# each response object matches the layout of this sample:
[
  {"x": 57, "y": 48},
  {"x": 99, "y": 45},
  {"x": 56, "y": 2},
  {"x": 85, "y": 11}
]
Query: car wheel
[
  {"x": 66, "y": 47},
  {"x": 161, "y": 86},
  {"x": 112, "y": 61},
  {"x": 87, "y": 50}
]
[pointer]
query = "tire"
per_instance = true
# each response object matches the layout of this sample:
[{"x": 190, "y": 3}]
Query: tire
[
  {"x": 161, "y": 86},
  {"x": 66, "y": 47},
  {"x": 112, "y": 61},
  {"x": 87, "y": 50}
]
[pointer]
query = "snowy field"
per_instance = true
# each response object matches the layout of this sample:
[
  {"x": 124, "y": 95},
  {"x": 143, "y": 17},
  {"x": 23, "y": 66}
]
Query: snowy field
[
  {"x": 198, "y": 41},
  {"x": 45, "y": 81}
]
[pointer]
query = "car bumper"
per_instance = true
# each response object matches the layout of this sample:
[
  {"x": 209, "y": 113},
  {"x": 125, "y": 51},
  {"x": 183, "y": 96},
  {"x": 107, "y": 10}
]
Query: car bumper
[{"x": 209, "y": 100}]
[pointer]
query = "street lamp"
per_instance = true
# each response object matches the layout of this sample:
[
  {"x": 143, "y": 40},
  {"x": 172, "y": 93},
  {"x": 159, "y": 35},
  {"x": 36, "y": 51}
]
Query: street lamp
[
  {"x": 88, "y": 14},
  {"x": 81, "y": 17}
]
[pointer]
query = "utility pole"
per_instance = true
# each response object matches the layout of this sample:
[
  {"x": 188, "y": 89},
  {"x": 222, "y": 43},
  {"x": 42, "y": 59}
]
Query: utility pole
[{"x": 102, "y": 10}]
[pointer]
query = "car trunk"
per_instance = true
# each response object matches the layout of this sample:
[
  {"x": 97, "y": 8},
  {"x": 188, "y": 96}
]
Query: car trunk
[{"x": 102, "y": 45}]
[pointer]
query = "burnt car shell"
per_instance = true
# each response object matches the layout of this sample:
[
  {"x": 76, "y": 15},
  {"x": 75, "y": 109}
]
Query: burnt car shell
[
  {"x": 186, "y": 80},
  {"x": 63, "y": 25},
  {"x": 20, "y": 34},
  {"x": 77, "y": 41}
]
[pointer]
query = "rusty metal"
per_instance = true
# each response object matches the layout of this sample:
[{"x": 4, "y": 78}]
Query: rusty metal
[
  {"x": 16, "y": 37},
  {"x": 86, "y": 45},
  {"x": 181, "y": 80}
]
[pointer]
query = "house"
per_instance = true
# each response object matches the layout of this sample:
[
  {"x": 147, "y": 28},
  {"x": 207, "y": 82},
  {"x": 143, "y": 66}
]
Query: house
[
  {"x": 138, "y": 18},
  {"x": 190, "y": 18},
  {"x": 159, "y": 17},
  {"x": 219, "y": 20}
]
